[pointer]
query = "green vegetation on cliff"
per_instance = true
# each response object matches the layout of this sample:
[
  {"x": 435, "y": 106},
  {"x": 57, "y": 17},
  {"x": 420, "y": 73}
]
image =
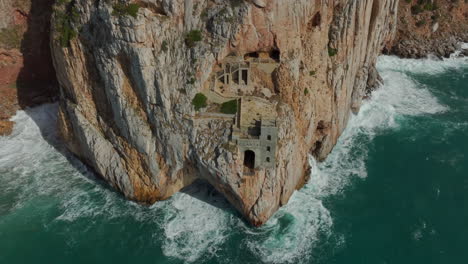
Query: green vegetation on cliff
[
  {"x": 332, "y": 52},
  {"x": 10, "y": 37},
  {"x": 66, "y": 16},
  {"x": 125, "y": 10},
  {"x": 229, "y": 107},
  {"x": 423, "y": 5},
  {"x": 192, "y": 37},
  {"x": 199, "y": 101}
]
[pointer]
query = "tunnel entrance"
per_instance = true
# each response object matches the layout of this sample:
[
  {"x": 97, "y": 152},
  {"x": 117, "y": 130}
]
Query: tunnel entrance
[{"x": 249, "y": 159}]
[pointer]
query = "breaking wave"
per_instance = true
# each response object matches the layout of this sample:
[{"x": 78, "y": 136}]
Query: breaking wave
[
  {"x": 422, "y": 66},
  {"x": 197, "y": 224}
]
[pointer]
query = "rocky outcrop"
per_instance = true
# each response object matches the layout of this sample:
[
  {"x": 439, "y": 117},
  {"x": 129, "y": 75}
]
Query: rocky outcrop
[
  {"x": 427, "y": 27},
  {"x": 27, "y": 76},
  {"x": 127, "y": 81}
]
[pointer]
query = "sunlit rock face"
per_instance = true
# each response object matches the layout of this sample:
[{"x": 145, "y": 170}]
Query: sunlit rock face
[{"x": 128, "y": 81}]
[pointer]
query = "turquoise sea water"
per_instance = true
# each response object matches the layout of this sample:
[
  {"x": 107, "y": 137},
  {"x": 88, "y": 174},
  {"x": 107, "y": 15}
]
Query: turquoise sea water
[{"x": 394, "y": 190}]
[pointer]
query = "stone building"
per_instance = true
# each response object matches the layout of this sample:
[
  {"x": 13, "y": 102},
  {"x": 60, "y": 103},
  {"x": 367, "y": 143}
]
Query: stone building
[
  {"x": 233, "y": 73},
  {"x": 255, "y": 132}
]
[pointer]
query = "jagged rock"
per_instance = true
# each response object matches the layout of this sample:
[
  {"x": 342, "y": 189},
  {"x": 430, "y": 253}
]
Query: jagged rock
[
  {"x": 259, "y": 3},
  {"x": 435, "y": 27},
  {"x": 6, "y": 127},
  {"x": 432, "y": 32}
]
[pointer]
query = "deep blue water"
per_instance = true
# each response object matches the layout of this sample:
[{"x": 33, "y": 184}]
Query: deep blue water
[{"x": 394, "y": 190}]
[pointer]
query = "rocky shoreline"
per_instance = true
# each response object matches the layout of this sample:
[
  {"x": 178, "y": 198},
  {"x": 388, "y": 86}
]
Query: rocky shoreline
[
  {"x": 430, "y": 28},
  {"x": 440, "y": 48}
]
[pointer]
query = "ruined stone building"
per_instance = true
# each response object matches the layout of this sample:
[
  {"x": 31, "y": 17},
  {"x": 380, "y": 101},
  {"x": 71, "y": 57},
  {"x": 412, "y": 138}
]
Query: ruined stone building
[
  {"x": 255, "y": 132},
  {"x": 247, "y": 79}
]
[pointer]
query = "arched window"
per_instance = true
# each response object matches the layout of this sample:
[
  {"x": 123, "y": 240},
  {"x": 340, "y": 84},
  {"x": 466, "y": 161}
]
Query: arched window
[
  {"x": 268, "y": 159},
  {"x": 268, "y": 149}
]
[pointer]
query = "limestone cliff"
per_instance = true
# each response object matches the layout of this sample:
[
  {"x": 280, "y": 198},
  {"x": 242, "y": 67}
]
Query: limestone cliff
[
  {"x": 129, "y": 71},
  {"x": 426, "y": 27}
]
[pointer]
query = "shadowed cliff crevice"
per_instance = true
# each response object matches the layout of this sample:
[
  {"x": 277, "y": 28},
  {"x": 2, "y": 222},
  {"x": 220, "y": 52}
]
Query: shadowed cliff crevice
[
  {"x": 37, "y": 82},
  {"x": 202, "y": 190}
]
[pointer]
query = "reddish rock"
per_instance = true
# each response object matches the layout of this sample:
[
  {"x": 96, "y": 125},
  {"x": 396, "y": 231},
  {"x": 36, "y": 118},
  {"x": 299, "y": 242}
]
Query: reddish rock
[
  {"x": 27, "y": 76},
  {"x": 6, "y": 127},
  {"x": 422, "y": 31}
]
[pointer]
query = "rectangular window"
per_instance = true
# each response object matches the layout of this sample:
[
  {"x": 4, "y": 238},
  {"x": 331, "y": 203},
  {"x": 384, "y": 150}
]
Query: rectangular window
[{"x": 245, "y": 77}]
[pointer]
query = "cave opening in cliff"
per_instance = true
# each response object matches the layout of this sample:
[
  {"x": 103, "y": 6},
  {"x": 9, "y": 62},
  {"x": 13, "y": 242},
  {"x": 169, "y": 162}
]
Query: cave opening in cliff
[
  {"x": 275, "y": 55},
  {"x": 251, "y": 55},
  {"x": 316, "y": 20},
  {"x": 249, "y": 159}
]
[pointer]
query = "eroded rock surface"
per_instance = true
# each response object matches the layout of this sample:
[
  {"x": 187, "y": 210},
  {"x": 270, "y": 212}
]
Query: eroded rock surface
[
  {"x": 127, "y": 84},
  {"x": 27, "y": 76},
  {"x": 427, "y": 27}
]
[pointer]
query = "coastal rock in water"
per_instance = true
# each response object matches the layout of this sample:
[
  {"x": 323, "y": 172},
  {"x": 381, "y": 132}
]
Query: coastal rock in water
[{"x": 131, "y": 83}]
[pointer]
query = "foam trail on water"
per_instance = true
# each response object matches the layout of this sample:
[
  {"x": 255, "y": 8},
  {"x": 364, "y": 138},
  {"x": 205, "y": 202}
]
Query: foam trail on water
[
  {"x": 292, "y": 233},
  {"x": 194, "y": 222},
  {"x": 195, "y": 227},
  {"x": 198, "y": 223},
  {"x": 420, "y": 66},
  {"x": 31, "y": 166}
]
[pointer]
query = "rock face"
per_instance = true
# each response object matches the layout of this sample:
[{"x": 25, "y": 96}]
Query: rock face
[
  {"x": 127, "y": 83},
  {"x": 27, "y": 76},
  {"x": 430, "y": 27}
]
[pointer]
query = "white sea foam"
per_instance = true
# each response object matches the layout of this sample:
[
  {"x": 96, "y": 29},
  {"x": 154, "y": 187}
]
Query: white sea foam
[
  {"x": 192, "y": 227},
  {"x": 420, "y": 66},
  {"x": 400, "y": 96},
  {"x": 197, "y": 223},
  {"x": 292, "y": 232}
]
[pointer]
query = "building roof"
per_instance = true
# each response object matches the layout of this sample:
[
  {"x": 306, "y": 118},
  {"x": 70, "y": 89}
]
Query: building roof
[{"x": 255, "y": 110}]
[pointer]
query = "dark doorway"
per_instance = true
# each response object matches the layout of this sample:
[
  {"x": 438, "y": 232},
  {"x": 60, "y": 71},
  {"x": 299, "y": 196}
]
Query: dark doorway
[
  {"x": 251, "y": 55},
  {"x": 221, "y": 79},
  {"x": 275, "y": 55},
  {"x": 244, "y": 77},
  {"x": 235, "y": 77},
  {"x": 249, "y": 159}
]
